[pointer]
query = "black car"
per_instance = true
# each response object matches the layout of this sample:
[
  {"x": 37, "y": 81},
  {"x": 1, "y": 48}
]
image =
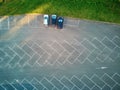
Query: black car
[
  {"x": 53, "y": 19},
  {"x": 60, "y": 21}
]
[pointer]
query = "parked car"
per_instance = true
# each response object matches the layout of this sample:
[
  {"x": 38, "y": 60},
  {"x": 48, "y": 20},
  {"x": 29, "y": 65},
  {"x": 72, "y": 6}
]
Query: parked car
[
  {"x": 46, "y": 20},
  {"x": 60, "y": 21},
  {"x": 53, "y": 19}
]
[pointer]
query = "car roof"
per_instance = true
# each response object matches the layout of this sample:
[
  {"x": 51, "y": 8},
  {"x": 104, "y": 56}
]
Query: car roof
[
  {"x": 45, "y": 15},
  {"x": 54, "y": 15}
]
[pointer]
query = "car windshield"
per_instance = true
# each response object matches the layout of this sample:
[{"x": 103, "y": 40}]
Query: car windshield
[
  {"x": 54, "y": 17},
  {"x": 60, "y": 20},
  {"x": 45, "y": 17}
]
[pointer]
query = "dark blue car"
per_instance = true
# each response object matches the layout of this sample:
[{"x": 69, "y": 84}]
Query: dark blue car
[
  {"x": 60, "y": 21},
  {"x": 53, "y": 19}
]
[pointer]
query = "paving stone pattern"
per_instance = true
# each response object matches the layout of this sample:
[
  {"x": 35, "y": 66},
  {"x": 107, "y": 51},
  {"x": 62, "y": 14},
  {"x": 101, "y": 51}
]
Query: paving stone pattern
[{"x": 84, "y": 55}]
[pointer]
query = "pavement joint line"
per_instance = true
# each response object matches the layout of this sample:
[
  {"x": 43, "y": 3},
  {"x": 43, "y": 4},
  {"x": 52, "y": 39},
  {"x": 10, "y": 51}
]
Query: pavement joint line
[
  {"x": 108, "y": 86},
  {"x": 95, "y": 38},
  {"x": 75, "y": 58},
  {"x": 87, "y": 86},
  {"x": 27, "y": 82},
  {"x": 27, "y": 53},
  {"x": 43, "y": 48},
  {"x": 62, "y": 47},
  {"x": 65, "y": 49},
  {"x": 84, "y": 87},
  {"x": 115, "y": 37},
  {"x": 74, "y": 87},
  {"x": 39, "y": 59},
  {"x": 87, "y": 55},
  {"x": 116, "y": 45},
  {"x": 53, "y": 48},
  {"x": 90, "y": 43},
  {"x": 18, "y": 83},
  {"x": 9, "y": 84},
  {"x": 32, "y": 85},
  {"x": 57, "y": 80},
  {"x": 77, "y": 79},
  {"x": 64, "y": 77},
  {"x": 8, "y": 62},
  {"x": 60, "y": 63},
  {"x": 82, "y": 42},
  {"x": 113, "y": 51},
  {"x": 115, "y": 74},
  {"x": 38, "y": 46},
  {"x": 40, "y": 64},
  {"x": 46, "y": 50},
  {"x": 109, "y": 40},
  {"x": 65, "y": 88},
  {"x": 96, "y": 86},
  {"x": 79, "y": 60},
  {"x": 2, "y": 86},
  {"x": 15, "y": 45},
  {"x": 11, "y": 50},
  {"x": 113, "y": 40},
  {"x": 113, "y": 77},
  {"x": 51, "y": 64},
  {"x": 102, "y": 52},
  {"x": 69, "y": 56},
  {"x": 69, "y": 44},
  {"x": 66, "y": 59},
  {"x": 94, "y": 75},
  {"x": 36, "y": 61},
  {"x": 34, "y": 79},
  {"x": 99, "y": 59},
  {"x": 25, "y": 62},
  {"x": 89, "y": 79},
  {"x": 91, "y": 61},
  {"x": 75, "y": 48},
  {"x": 113, "y": 86},
  {"x": 58, "y": 44},
  {"x": 57, "y": 59},
  {"x": 109, "y": 77},
  {"x": 111, "y": 59},
  {"x": 44, "y": 78},
  {"x": 95, "y": 57},
  {"x": 63, "y": 61},
  {"x": 108, "y": 55}
]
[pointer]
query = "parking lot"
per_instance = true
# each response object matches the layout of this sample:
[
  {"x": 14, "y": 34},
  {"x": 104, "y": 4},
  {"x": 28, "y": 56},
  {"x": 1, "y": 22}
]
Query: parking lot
[{"x": 84, "y": 55}]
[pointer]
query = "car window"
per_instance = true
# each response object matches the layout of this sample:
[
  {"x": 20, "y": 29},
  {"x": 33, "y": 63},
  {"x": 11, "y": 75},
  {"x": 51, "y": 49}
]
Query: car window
[
  {"x": 54, "y": 17},
  {"x": 45, "y": 17},
  {"x": 60, "y": 20}
]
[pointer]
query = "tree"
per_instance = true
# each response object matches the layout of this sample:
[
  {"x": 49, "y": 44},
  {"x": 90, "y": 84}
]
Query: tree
[{"x": 3, "y": 0}]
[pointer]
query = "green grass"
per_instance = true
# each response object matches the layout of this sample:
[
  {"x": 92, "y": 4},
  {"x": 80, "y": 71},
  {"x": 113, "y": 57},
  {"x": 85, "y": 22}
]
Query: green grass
[{"x": 101, "y": 10}]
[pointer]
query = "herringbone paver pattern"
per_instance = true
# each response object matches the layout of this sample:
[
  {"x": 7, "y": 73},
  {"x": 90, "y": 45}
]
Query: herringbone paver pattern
[
  {"x": 57, "y": 52},
  {"x": 82, "y": 56},
  {"x": 73, "y": 83},
  {"x": 60, "y": 52}
]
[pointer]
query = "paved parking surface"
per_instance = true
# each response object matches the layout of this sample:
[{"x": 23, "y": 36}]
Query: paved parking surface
[{"x": 85, "y": 55}]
